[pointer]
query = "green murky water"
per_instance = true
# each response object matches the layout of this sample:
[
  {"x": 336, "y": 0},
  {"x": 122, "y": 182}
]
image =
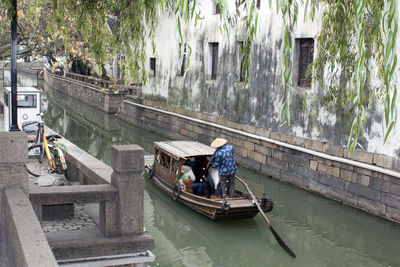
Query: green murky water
[{"x": 321, "y": 232}]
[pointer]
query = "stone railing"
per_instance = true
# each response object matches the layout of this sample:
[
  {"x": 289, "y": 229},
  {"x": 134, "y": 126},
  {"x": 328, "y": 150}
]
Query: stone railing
[
  {"x": 25, "y": 65},
  {"x": 22, "y": 241},
  {"x": 132, "y": 91},
  {"x": 26, "y": 243},
  {"x": 96, "y": 81},
  {"x": 91, "y": 94},
  {"x": 121, "y": 215},
  {"x": 121, "y": 228},
  {"x": 120, "y": 232}
]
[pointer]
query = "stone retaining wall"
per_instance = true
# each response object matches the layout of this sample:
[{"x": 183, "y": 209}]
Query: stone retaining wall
[
  {"x": 367, "y": 181},
  {"x": 86, "y": 93},
  {"x": 26, "y": 242},
  {"x": 22, "y": 242}
]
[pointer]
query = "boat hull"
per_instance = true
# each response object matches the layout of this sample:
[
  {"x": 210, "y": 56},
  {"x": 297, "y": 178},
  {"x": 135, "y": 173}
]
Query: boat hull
[{"x": 236, "y": 208}]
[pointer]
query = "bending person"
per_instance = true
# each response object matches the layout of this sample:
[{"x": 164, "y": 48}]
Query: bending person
[{"x": 223, "y": 158}]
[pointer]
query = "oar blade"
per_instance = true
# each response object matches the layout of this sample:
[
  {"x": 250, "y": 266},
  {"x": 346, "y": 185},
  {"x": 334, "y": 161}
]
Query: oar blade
[
  {"x": 281, "y": 243},
  {"x": 277, "y": 237}
]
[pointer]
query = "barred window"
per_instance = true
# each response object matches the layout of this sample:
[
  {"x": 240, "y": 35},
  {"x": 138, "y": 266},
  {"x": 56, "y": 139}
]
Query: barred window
[
  {"x": 306, "y": 56},
  {"x": 214, "y": 60},
  {"x": 217, "y": 8},
  {"x": 183, "y": 59},
  {"x": 242, "y": 57},
  {"x": 153, "y": 66}
]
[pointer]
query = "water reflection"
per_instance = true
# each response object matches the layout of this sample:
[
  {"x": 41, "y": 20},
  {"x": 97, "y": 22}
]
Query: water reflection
[
  {"x": 91, "y": 130},
  {"x": 321, "y": 232}
]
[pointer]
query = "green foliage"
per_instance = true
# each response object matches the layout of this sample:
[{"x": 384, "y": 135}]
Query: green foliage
[
  {"x": 355, "y": 35},
  {"x": 363, "y": 36}
]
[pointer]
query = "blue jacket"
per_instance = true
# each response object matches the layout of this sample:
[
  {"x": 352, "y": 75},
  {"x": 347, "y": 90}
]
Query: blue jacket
[{"x": 224, "y": 160}]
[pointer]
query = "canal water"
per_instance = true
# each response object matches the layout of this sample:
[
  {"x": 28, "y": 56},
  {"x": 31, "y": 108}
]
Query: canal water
[{"x": 320, "y": 231}]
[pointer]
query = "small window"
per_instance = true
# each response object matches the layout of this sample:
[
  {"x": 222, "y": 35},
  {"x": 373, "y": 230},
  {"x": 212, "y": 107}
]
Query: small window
[
  {"x": 306, "y": 56},
  {"x": 217, "y": 8},
  {"x": 243, "y": 57},
  {"x": 214, "y": 60},
  {"x": 26, "y": 101},
  {"x": 258, "y": 4},
  {"x": 153, "y": 66},
  {"x": 183, "y": 62}
]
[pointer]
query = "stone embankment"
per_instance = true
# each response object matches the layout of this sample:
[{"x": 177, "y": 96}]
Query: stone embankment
[
  {"x": 367, "y": 181},
  {"x": 91, "y": 91}
]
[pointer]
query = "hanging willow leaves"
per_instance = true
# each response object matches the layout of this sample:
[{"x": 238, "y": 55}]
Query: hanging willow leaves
[
  {"x": 354, "y": 36},
  {"x": 357, "y": 36}
]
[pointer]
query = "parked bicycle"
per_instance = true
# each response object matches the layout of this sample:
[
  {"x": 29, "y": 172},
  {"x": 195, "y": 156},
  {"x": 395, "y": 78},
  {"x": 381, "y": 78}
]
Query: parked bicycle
[{"x": 40, "y": 144}]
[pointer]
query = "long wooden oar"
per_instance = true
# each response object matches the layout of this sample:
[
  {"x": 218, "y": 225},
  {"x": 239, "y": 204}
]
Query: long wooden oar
[{"x": 277, "y": 237}]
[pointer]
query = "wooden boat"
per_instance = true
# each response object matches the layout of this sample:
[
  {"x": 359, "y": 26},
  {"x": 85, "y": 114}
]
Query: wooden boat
[{"x": 169, "y": 158}]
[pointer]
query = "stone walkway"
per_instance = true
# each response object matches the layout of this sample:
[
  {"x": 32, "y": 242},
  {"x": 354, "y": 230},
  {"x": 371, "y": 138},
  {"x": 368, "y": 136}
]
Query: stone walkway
[
  {"x": 81, "y": 221},
  {"x": 85, "y": 215}
]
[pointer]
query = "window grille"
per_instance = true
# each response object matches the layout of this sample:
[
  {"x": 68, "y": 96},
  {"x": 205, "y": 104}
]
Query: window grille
[
  {"x": 306, "y": 57},
  {"x": 183, "y": 62},
  {"x": 217, "y": 8},
  {"x": 242, "y": 57},
  {"x": 214, "y": 60},
  {"x": 153, "y": 66}
]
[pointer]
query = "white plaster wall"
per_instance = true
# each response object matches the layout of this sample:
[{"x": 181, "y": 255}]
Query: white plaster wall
[
  {"x": 263, "y": 100},
  {"x": 377, "y": 133}
]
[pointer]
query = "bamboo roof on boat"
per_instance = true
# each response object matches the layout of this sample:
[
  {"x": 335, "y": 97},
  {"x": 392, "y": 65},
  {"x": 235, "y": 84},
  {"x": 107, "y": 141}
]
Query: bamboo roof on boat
[{"x": 184, "y": 149}]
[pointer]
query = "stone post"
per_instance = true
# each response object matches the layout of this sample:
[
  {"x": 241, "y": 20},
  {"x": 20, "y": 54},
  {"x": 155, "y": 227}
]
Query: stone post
[
  {"x": 13, "y": 157},
  {"x": 125, "y": 216}
]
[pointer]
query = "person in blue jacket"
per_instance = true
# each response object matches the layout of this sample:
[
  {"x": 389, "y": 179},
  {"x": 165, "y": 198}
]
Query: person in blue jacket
[{"x": 223, "y": 158}]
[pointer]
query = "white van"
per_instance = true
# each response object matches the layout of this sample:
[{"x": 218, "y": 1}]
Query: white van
[{"x": 28, "y": 105}]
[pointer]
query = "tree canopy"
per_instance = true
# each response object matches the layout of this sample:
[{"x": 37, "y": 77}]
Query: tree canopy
[{"x": 355, "y": 35}]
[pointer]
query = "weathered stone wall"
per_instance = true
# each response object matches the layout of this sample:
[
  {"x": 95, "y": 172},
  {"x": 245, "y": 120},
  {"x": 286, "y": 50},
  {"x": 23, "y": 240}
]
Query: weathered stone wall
[
  {"x": 261, "y": 103},
  {"x": 98, "y": 119},
  {"x": 105, "y": 101},
  {"x": 367, "y": 181}
]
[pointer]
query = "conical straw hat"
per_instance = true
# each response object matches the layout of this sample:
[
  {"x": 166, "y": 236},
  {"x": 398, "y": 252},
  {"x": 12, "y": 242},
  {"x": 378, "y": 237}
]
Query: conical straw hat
[{"x": 218, "y": 142}]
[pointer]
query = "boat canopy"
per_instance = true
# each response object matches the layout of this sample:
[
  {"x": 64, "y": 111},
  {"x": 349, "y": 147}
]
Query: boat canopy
[{"x": 184, "y": 149}]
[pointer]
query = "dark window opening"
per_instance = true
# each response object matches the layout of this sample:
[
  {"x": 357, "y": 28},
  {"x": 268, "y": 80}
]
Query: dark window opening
[
  {"x": 153, "y": 66},
  {"x": 217, "y": 8},
  {"x": 258, "y": 3},
  {"x": 214, "y": 60},
  {"x": 306, "y": 57},
  {"x": 243, "y": 57},
  {"x": 183, "y": 63}
]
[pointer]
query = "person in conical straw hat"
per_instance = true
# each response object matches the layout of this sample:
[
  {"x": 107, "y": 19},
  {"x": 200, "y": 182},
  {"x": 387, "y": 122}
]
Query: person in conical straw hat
[
  {"x": 218, "y": 142},
  {"x": 223, "y": 158}
]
